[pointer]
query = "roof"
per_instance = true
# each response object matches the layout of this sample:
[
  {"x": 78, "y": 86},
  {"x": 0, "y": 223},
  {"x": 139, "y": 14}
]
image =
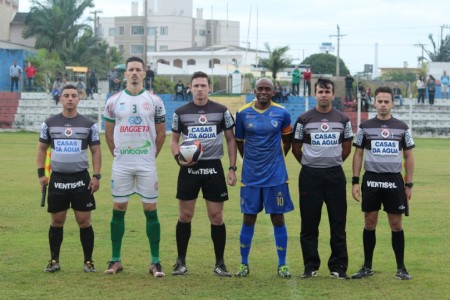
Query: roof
[
  {"x": 214, "y": 48},
  {"x": 19, "y": 17}
]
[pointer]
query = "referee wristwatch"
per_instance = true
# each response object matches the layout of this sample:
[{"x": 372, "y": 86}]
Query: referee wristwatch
[
  {"x": 98, "y": 176},
  {"x": 234, "y": 168},
  {"x": 409, "y": 184}
]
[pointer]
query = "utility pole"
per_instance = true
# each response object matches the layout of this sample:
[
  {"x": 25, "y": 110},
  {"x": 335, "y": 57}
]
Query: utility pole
[
  {"x": 95, "y": 12},
  {"x": 339, "y": 35},
  {"x": 145, "y": 33}
]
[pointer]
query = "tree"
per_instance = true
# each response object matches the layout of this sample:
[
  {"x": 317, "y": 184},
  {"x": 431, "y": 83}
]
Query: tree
[
  {"x": 276, "y": 61},
  {"x": 48, "y": 65},
  {"x": 324, "y": 63},
  {"x": 400, "y": 76},
  {"x": 54, "y": 23},
  {"x": 441, "y": 53}
]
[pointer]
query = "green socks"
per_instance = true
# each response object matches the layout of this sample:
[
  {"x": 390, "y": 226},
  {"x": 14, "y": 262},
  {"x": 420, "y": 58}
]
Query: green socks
[
  {"x": 153, "y": 233},
  {"x": 117, "y": 231}
]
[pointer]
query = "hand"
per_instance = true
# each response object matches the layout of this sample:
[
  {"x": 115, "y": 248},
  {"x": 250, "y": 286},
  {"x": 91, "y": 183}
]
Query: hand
[
  {"x": 182, "y": 163},
  {"x": 355, "y": 192},
  {"x": 43, "y": 181},
  {"x": 94, "y": 185},
  {"x": 231, "y": 178}
]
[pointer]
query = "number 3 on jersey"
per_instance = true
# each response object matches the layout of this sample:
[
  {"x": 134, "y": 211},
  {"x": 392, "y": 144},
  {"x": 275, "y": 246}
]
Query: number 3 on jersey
[{"x": 134, "y": 108}]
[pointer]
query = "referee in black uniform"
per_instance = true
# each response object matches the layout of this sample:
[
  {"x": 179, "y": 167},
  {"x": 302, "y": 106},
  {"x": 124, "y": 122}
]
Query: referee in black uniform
[
  {"x": 69, "y": 134},
  {"x": 326, "y": 136},
  {"x": 385, "y": 141}
]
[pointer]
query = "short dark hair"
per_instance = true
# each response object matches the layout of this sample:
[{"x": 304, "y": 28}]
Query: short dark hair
[
  {"x": 69, "y": 87},
  {"x": 323, "y": 83},
  {"x": 134, "y": 58},
  {"x": 384, "y": 89},
  {"x": 200, "y": 74}
]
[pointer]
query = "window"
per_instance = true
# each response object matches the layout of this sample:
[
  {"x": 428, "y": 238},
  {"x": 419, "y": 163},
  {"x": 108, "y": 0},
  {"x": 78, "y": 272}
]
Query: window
[
  {"x": 151, "y": 31},
  {"x": 213, "y": 62},
  {"x": 151, "y": 48},
  {"x": 202, "y": 32},
  {"x": 137, "y": 49},
  {"x": 163, "y": 61},
  {"x": 191, "y": 62},
  {"x": 121, "y": 48},
  {"x": 164, "y": 30},
  {"x": 137, "y": 30},
  {"x": 120, "y": 30},
  {"x": 163, "y": 48},
  {"x": 178, "y": 63},
  {"x": 112, "y": 31}
]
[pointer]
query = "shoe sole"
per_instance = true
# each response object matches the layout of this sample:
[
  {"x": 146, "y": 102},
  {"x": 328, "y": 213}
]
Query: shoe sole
[
  {"x": 51, "y": 271},
  {"x": 112, "y": 271},
  {"x": 313, "y": 274},
  {"x": 158, "y": 274},
  {"x": 338, "y": 277}
]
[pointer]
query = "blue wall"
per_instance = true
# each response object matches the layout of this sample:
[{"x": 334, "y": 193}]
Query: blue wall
[{"x": 7, "y": 57}]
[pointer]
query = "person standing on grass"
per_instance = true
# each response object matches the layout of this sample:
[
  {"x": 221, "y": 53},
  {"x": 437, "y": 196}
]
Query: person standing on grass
[
  {"x": 135, "y": 131},
  {"x": 326, "y": 137},
  {"x": 263, "y": 136},
  {"x": 69, "y": 135},
  {"x": 385, "y": 142},
  {"x": 209, "y": 122}
]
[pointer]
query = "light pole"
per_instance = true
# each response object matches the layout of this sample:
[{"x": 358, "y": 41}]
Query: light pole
[
  {"x": 339, "y": 35},
  {"x": 95, "y": 12}
]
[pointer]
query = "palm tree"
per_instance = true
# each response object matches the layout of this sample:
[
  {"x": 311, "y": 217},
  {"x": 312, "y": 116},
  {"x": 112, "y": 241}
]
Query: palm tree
[
  {"x": 276, "y": 61},
  {"x": 441, "y": 53},
  {"x": 54, "y": 23}
]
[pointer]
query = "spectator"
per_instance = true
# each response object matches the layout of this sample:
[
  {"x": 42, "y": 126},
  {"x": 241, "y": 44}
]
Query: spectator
[
  {"x": 421, "y": 89},
  {"x": 188, "y": 92},
  {"x": 296, "y": 81},
  {"x": 81, "y": 89},
  {"x": 149, "y": 78},
  {"x": 307, "y": 82},
  {"x": 348, "y": 88},
  {"x": 15, "y": 73},
  {"x": 56, "y": 90},
  {"x": 92, "y": 84},
  {"x": 179, "y": 90},
  {"x": 278, "y": 92},
  {"x": 30, "y": 72},
  {"x": 431, "y": 85},
  {"x": 112, "y": 75},
  {"x": 445, "y": 80},
  {"x": 397, "y": 94}
]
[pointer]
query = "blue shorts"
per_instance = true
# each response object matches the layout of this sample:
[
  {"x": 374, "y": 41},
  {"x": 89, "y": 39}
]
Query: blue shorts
[{"x": 275, "y": 199}]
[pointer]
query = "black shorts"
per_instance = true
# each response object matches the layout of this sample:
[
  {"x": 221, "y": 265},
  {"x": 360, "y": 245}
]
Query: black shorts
[
  {"x": 207, "y": 175},
  {"x": 70, "y": 190},
  {"x": 385, "y": 188}
]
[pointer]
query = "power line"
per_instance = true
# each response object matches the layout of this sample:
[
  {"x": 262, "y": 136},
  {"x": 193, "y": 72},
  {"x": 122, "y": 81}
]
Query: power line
[{"x": 338, "y": 36}]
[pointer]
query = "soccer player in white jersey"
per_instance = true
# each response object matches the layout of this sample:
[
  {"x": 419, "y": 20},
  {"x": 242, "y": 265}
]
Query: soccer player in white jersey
[
  {"x": 135, "y": 131},
  {"x": 385, "y": 141}
]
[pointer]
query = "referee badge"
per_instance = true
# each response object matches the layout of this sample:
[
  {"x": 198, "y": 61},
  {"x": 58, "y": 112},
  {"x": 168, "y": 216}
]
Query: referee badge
[
  {"x": 202, "y": 119},
  {"x": 385, "y": 133},
  {"x": 324, "y": 127},
  {"x": 68, "y": 132}
]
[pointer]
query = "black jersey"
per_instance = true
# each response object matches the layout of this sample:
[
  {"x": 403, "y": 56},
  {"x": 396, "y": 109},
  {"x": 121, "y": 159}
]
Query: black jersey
[
  {"x": 69, "y": 139},
  {"x": 322, "y": 135},
  {"x": 205, "y": 123},
  {"x": 383, "y": 141}
]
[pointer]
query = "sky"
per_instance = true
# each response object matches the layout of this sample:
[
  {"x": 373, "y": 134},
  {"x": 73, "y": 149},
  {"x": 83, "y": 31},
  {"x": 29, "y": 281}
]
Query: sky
[{"x": 396, "y": 26}]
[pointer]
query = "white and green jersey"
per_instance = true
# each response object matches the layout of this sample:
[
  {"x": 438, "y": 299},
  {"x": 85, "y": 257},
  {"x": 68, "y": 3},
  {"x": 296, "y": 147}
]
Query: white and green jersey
[{"x": 134, "y": 131}]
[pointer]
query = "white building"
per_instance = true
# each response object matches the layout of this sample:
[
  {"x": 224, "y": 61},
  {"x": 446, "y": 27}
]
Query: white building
[{"x": 166, "y": 25}]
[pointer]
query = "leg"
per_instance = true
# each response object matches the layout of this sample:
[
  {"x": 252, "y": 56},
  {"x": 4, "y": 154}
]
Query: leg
[
  {"x": 336, "y": 201},
  {"x": 55, "y": 234},
  {"x": 245, "y": 240},
  {"x": 218, "y": 229},
  {"x": 369, "y": 237},
  {"x": 153, "y": 230},
  {"x": 311, "y": 201},
  {"x": 183, "y": 229},
  {"x": 118, "y": 229},
  {"x": 83, "y": 219},
  {"x": 281, "y": 237}
]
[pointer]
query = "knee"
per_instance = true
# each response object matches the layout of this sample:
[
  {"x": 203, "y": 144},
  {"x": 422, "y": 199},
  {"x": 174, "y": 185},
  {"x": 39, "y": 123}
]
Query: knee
[
  {"x": 186, "y": 216},
  {"x": 216, "y": 218}
]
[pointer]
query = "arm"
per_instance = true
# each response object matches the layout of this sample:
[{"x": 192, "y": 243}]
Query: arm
[
  {"x": 160, "y": 136},
  {"x": 356, "y": 166},
  {"x": 109, "y": 136},
  {"x": 232, "y": 153},
  {"x": 409, "y": 167},
  {"x": 297, "y": 151},
  {"x": 40, "y": 161},
  {"x": 96, "y": 153},
  {"x": 346, "y": 149},
  {"x": 286, "y": 138},
  {"x": 240, "y": 147}
]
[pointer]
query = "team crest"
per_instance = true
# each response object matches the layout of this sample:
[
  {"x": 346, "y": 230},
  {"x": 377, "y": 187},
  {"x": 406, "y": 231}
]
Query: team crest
[
  {"x": 68, "y": 132},
  {"x": 202, "y": 119},
  {"x": 274, "y": 123},
  {"x": 324, "y": 127},
  {"x": 146, "y": 106},
  {"x": 385, "y": 133}
]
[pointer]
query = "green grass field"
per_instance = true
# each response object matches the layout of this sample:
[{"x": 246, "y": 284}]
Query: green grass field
[{"x": 24, "y": 245}]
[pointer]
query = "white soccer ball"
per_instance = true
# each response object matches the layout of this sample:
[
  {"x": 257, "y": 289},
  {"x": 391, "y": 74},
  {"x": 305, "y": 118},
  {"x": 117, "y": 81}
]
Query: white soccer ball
[{"x": 191, "y": 150}]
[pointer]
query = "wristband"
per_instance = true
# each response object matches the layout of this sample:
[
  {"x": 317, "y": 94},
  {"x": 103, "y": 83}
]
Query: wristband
[
  {"x": 409, "y": 184},
  {"x": 41, "y": 172},
  {"x": 355, "y": 180},
  {"x": 234, "y": 168}
]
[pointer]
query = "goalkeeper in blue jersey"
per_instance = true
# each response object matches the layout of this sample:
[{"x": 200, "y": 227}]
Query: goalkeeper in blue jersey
[{"x": 263, "y": 133}]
